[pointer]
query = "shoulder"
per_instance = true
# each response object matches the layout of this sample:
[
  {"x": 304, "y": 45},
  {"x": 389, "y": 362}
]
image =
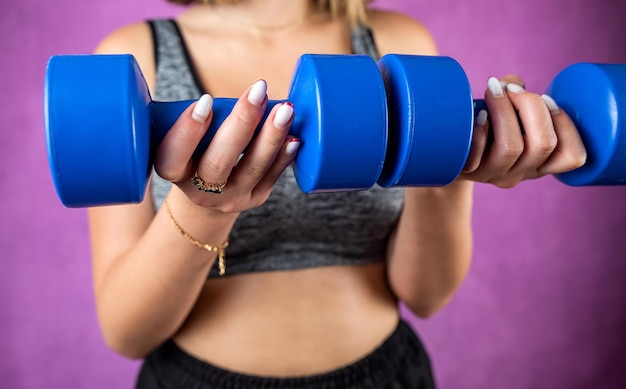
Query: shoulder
[
  {"x": 135, "y": 39},
  {"x": 131, "y": 38},
  {"x": 399, "y": 33}
]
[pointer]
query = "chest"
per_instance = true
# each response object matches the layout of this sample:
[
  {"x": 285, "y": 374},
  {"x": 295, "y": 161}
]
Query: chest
[{"x": 226, "y": 65}]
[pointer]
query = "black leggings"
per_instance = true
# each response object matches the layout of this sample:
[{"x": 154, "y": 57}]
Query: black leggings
[{"x": 399, "y": 363}]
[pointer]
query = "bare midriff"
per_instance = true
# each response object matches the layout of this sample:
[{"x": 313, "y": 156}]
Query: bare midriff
[{"x": 291, "y": 323}]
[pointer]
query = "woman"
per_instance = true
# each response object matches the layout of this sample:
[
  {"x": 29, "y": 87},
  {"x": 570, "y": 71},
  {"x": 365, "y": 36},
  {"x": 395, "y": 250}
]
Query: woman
[{"x": 306, "y": 293}]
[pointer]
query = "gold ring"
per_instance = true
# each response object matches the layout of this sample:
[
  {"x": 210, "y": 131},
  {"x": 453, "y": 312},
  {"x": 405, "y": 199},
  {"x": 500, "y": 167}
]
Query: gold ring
[{"x": 207, "y": 187}]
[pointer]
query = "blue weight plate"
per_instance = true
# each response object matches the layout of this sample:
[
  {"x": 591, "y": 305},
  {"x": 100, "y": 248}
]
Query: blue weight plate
[
  {"x": 97, "y": 129},
  {"x": 341, "y": 119},
  {"x": 593, "y": 96},
  {"x": 430, "y": 120}
]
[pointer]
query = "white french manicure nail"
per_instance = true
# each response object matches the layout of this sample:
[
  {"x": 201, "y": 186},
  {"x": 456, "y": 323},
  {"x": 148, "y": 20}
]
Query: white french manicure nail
[
  {"x": 203, "y": 108},
  {"x": 481, "y": 118},
  {"x": 552, "y": 106},
  {"x": 292, "y": 146},
  {"x": 514, "y": 88},
  {"x": 283, "y": 115},
  {"x": 495, "y": 87},
  {"x": 258, "y": 93}
]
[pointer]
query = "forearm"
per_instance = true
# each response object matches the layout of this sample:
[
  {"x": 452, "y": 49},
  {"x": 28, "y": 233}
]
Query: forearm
[
  {"x": 146, "y": 293},
  {"x": 429, "y": 253}
]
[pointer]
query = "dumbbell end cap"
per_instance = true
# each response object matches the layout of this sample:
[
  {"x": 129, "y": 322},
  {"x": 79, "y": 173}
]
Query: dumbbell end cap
[
  {"x": 430, "y": 120},
  {"x": 593, "y": 96},
  {"x": 341, "y": 119},
  {"x": 97, "y": 125}
]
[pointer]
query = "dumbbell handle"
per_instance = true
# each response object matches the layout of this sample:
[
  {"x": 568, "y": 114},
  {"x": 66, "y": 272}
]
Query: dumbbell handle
[
  {"x": 165, "y": 114},
  {"x": 479, "y": 105}
]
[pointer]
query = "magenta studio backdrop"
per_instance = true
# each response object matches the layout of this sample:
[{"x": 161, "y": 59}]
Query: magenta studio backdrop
[{"x": 544, "y": 305}]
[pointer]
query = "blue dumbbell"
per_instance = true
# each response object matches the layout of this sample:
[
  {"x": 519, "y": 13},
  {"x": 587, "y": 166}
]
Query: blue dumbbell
[
  {"x": 102, "y": 126},
  {"x": 593, "y": 95}
]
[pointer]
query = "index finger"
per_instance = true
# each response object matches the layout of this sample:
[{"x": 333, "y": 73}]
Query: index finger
[{"x": 508, "y": 142}]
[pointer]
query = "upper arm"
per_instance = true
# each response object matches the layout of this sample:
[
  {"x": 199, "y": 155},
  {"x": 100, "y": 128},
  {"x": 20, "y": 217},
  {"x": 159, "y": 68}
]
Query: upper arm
[
  {"x": 400, "y": 34},
  {"x": 115, "y": 230}
]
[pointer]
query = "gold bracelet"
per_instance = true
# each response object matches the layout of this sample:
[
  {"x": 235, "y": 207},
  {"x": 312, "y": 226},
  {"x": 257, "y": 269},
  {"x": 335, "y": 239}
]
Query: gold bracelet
[{"x": 219, "y": 249}]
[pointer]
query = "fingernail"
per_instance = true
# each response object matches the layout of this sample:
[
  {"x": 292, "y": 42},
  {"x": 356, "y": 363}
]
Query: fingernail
[
  {"x": 514, "y": 88},
  {"x": 481, "y": 118},
  {"x": 203, "y": 107},
  {"x": 552, "y": 106},
  {"x": 292, "y": 146},
  {"x": 495, "y": 87},
  {"x": 283, "y": 115},
  {"x": 258, "y": 93}
]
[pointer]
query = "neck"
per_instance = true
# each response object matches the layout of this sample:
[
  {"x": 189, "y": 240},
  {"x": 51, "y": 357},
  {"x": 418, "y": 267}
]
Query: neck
[{"x": 266, "y": 15}]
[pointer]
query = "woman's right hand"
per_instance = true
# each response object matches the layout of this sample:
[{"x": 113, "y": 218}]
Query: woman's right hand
[
  {"x": 249, "y": 178},
  {"x": 147, "y": 275}
]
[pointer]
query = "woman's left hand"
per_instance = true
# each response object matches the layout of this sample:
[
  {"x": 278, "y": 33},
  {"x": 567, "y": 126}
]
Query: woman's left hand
[{"x": 526, "y": 136}]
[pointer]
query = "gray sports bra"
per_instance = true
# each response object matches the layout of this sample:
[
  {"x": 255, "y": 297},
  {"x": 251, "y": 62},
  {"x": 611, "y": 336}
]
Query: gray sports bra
[{"x": 291, "y": 230}]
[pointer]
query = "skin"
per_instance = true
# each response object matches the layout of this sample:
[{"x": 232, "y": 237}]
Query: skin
[{"x": 150, "y": 282}]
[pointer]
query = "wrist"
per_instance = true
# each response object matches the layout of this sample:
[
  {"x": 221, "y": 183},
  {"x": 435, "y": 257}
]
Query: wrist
[
  {"x": 217, "y": 248},
  {"x": 203, "y": 224},
  {"x": 204, "y": 228},
  {"x": 185, "y": 208}
]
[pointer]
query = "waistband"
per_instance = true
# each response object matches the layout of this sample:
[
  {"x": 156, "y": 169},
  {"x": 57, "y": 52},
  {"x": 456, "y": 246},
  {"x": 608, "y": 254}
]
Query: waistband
[{"x": 400, "y": 354}]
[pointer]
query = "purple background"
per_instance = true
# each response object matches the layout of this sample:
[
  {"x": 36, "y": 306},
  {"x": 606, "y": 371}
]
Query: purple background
[{"x": 544, "y": 305}]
